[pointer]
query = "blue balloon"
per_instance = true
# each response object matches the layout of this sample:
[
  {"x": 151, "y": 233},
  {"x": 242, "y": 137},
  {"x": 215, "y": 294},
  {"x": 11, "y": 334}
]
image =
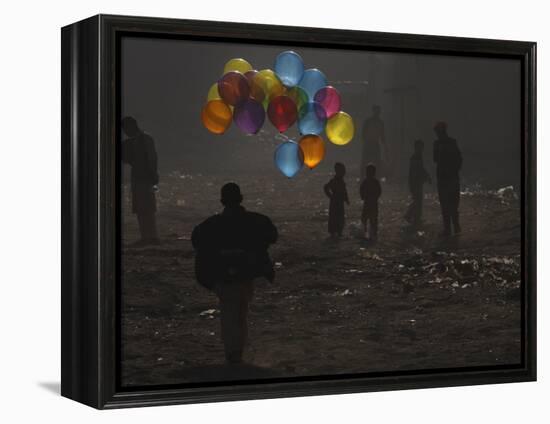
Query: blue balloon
[
  {"x": 289, "y": 67},
  {"x": 312, "y": 81},
  {"x": 289, "y": 158},
  {"x": 311, "y": 118}
]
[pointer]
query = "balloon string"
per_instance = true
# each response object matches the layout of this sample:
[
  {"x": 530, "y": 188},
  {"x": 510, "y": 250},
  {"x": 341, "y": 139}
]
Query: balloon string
[
  {"x": 345, "y": 82},
  {"x": 281, "y": 136}
]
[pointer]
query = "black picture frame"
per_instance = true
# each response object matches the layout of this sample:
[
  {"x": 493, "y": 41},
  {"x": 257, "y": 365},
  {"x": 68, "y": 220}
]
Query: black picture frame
[{"x": 90, "y": 233}]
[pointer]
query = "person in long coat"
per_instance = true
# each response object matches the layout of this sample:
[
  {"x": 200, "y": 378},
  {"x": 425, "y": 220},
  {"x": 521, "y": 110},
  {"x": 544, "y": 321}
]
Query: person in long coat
[
  {"x": 448, "y": 160},
  {"x": 138, "y": 151}
]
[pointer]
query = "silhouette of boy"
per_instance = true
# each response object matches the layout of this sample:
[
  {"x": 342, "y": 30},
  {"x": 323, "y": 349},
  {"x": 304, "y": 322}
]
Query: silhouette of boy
[
  {"x": 232, "y": 251},
  {"x": 138, "y": 151},
  {"x": 370, "y": 192},
  {"x": 336, "y": 191},
  {"x": 448, "y": 160},
  {"x": 417, "y": 177}
]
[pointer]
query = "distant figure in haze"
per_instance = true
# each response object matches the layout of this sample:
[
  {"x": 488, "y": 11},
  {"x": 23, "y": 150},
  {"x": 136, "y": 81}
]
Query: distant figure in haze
[
  {"x": 138, "y": 151},
  {"x": 374, "y": 140},
  {"x": 232, "y": 251},
  {"x": 336, "y": 191},
  {"x": 370, "y": 192},
  {"x": 448, "y": 160},
  {"x": 417, "y": 177}
]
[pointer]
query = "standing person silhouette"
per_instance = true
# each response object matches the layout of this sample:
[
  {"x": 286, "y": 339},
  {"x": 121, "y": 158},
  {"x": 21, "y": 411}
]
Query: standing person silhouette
[
  {"x": 448, "y": 160},
  {"x": 374, "y": 141},
  {"x": 370, "y": 191},
  {"x": 232, "y": 251},
  {"x": 336, "y": 191},
  {"x": 138, "y": 151},
  {"x": 418, "y": 176}
]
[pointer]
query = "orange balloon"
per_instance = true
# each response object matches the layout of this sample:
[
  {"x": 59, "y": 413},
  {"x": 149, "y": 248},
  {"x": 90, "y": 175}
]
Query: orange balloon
[
  {"x": 216, "y": 116},
  {"x": 313, "y": 148}
]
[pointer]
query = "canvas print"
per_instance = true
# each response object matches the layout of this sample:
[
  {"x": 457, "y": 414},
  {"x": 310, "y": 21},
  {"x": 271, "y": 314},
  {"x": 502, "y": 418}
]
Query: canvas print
[{"x": 297, "y": 212}]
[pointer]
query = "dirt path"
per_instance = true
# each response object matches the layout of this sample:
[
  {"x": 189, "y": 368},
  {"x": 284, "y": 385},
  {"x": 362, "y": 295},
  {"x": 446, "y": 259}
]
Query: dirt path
[{"x": 410, "y": 302}]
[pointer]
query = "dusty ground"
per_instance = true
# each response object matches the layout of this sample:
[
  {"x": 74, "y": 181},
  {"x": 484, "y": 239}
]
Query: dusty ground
[{"x": 410, "y": 302}]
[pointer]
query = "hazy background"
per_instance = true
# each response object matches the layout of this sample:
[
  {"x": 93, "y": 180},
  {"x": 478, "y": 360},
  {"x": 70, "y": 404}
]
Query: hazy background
[{"x": 165, "y": 83}]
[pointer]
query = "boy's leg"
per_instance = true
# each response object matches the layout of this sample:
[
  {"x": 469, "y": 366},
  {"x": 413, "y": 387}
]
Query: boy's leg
[
  {"x": 417, "y": 207},
  {"x": 147, "y": 226},
  {"x": 142, "y": 226},
  {"x": 443, "y": 191},
  {"x": 151, "y": 227},
  {"x": 364, "y": 221},
  {"x": 247, "y": 291},
  {"x": 374, "y": 225},
  {"x": 341, "y": 223},
  {"x": 230, "y": 322},
  {"x": 409, "y": 214},
  {"x": 420, "y": 205},
  {"x": 454, "y": 210}
]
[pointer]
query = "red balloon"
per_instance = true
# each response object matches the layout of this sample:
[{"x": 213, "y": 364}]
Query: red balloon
[
  {"x": 233, "y": 88},
  {"x": 282, "y": 112}
]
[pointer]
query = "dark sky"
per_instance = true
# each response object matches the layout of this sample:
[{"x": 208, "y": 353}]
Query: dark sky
[{"x": 165, "y": 83}]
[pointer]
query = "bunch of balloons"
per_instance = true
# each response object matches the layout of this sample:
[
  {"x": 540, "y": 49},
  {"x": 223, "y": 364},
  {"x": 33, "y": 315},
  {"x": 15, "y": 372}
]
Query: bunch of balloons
[{"x": 288, "y": 94}]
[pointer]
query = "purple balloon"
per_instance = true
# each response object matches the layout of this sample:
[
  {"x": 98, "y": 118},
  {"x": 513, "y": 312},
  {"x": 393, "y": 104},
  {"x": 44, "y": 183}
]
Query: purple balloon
[
  {"x": 249, "y": 116},
  {"x": 329, "y": 98}
]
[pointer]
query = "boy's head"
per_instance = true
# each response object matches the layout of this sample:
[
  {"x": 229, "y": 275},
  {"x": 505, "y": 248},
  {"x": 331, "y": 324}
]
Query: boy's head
[
  {"x": 130, "y": 126},
  {"x": 370, "y": 171},
  {"x": 419, "y": 146},
  {"x": 339, "y": 169},
  {"x": 231, "y": 195}
]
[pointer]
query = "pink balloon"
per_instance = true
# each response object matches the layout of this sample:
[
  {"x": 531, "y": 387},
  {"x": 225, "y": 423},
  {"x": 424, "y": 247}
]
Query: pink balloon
[{"x": 329, "y": 98}]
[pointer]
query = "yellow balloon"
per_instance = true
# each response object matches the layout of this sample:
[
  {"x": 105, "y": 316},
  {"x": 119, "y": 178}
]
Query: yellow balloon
[
  {"x": 340, "y": 128},
  {"x": 216, "y": 116},
  {"x": 237, "y": 64},
  {"x": 265, "y": 86},
  {"x": 313, "y": 149},
  {"x": 213, "y": 93}
]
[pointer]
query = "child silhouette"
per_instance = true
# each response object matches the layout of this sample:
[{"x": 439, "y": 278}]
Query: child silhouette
[{"x": 336, "y": 191}]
